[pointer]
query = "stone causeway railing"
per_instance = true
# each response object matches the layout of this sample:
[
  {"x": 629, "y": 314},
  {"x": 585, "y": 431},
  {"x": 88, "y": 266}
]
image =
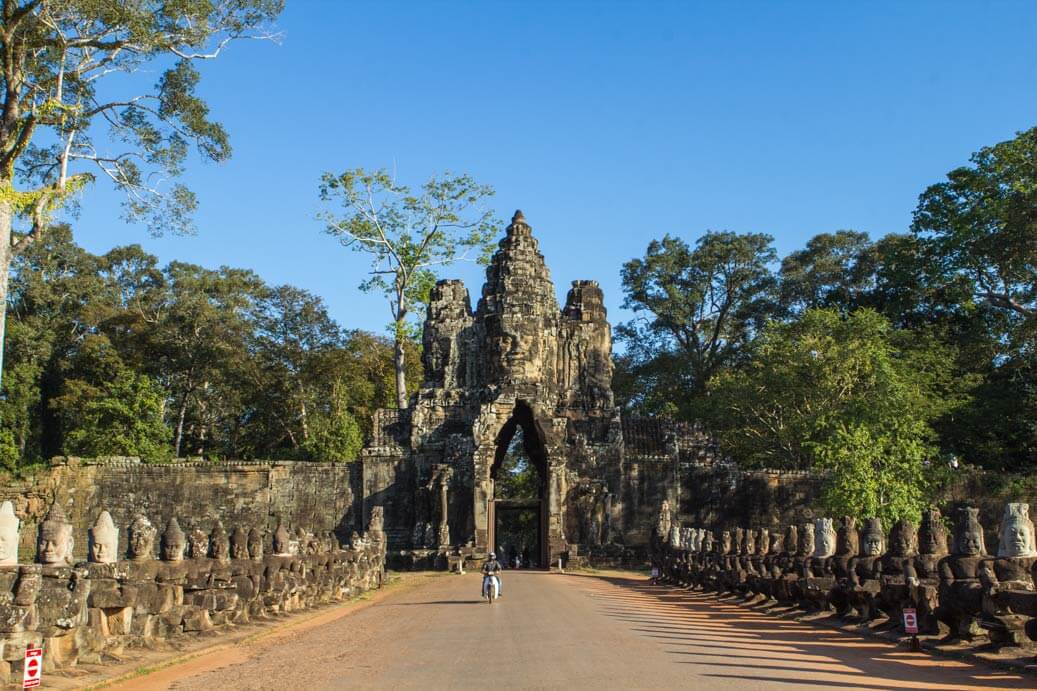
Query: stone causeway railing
[
  {"x": 200, "y": 582},
  {"x": 950, "y": 587}
]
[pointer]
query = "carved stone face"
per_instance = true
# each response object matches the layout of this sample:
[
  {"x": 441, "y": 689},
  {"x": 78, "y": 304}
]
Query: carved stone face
[
  {"x": 239, "y": 544},
  {"x": 282, "y": 541},
  {"x": 872, "y": 542},
  {"x": 142, "y": 539},
  {"x": 355, "y": 542},
  {"x": 932, "y": 536},
  {"x": 55, "y": 540},
  {"x": 968, "y": 536},
  {"x": 762, "y": 541},
  {"x": 104, "y": 540},
  {"x": 9, "y": 524},
  {"x": 777, "y": 542},
  {"x": 848, "y": 541},
  {"x": 806, "y": 539},
  {"x": 791, "y": 541},
  {"x": 174, "y": 542},
  {"x": 903, "y": 538},
  {"x": 255, "y": 544},
  {"x": 725, "y": 542},
  {"x": 748, "y": 543},
  {"x": 824, "y": 537},
  {"x": 1017, "y": 539},
  {"x": 219, "y": 545}
]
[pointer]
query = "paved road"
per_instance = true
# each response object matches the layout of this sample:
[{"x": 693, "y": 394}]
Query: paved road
[{"x": 554, "y": 631}]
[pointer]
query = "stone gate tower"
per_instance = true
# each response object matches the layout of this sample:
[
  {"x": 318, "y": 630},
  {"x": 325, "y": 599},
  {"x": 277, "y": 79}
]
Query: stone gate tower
[{"x": 517, "y": 362}]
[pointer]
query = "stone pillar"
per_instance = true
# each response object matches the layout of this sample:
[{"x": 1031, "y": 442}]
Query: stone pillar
[{"x": 444, "y": 508}]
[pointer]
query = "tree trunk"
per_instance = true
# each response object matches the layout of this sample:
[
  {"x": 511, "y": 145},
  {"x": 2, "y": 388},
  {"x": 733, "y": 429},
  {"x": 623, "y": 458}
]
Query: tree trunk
[
  {"x": 6, "y": 255},
  {"x": 180, "y": 426},
  {"x": 401, "y": 368}
]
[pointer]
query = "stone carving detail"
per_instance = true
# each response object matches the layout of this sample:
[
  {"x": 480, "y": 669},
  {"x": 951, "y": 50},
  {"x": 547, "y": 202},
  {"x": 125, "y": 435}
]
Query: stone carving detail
[
  {"x": 9, "y": 525},
  {"x": 104, "y": 540},
  {"x": 174, "y": 542},
  {"x": 282, "y": 541},
  {"x": 55, "y": 538},
  {"x": 255, "y": 545},
  {"x": 239, "y": 543},
  {"x": 197, "y": 544},
  {"x": 219, "y": 544},
  {"x": 142, "y": 539}
]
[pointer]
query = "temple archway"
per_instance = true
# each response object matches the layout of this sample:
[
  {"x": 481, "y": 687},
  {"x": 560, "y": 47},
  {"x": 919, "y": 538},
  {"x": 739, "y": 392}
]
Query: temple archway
[{"x": 517, "y": 504}]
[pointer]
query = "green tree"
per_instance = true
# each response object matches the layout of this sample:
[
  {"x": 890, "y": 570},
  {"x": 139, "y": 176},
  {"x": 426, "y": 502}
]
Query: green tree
[
  {"x": 834, "y": 270},
  {"x": 409, "y": 235},
  {"x": 821, "y": 388},
  {"x": 113, "y": 411},
  {"x": 981, "y": 225},
  {"x": 700, "y": 308},
  {"x": 335, "y": 434},
  {"x": 71, "y": 113}
]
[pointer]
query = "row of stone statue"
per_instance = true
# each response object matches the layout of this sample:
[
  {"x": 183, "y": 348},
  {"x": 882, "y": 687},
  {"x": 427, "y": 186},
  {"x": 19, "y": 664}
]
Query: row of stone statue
[
  {"x": 960, "y": 591},
  {"x": 56, "y": 541}
]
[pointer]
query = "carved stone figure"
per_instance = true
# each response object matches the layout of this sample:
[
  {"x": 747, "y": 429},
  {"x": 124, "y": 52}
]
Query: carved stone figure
[
  {"x": 817, "y": 572},
  {"x": 894, "y": 570},
  {"x": 255, "y": 545},
  {"x": 9, "y": 525},
  {"x": 1009, "y": 599},
  {"x": 142, "y": 539},
  {"x": 961, "y": 592},
  {"x": 197, "y": 544},
  {"x": 282, "y": 541},
  {"x": 675, "y": 536},
  {"x": 55, "y": 538},
  {"x": 219, "y": 545},
  {"x": 103, "y": 540},
  {"x": 864, "y": 585},
  {"x": 376, "y": 526},
  {"x": 174, "y": 542},
  {"x": 924, "y": 577},
  {"x": 355, "y": 542},
  {"x": 662, "y": 523},
  {"x": 239, "y": 543}
]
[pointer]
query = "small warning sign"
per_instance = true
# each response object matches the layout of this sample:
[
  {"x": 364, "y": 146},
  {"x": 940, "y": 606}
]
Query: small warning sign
[
  {"x": 33, "y": 668},
  {"x": 910, "y": 621}
]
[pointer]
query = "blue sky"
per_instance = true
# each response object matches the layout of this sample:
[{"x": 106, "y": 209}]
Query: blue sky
[{"x": 607, "y": 123}]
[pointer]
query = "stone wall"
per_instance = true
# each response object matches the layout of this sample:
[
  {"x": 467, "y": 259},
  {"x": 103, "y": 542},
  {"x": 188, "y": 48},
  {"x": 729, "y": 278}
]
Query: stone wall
[
  {"x": 88, "y": 612},
  {"x": 315, "y": 496}
]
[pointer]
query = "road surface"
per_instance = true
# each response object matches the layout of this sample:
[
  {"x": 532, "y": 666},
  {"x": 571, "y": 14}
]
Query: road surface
[{"x": 569, "y": 631}]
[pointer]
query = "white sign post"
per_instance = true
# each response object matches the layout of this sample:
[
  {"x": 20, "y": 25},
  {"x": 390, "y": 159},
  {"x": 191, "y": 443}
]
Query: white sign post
[
  {"x": 910, "y": 621},
  {"x": 33, "y": 670}
]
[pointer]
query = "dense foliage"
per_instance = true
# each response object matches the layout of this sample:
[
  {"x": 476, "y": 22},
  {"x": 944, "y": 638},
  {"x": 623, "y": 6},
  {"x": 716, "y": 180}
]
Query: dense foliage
[
  {"x": 870, "y": 359},
  {"x": 113, "y": 355}
]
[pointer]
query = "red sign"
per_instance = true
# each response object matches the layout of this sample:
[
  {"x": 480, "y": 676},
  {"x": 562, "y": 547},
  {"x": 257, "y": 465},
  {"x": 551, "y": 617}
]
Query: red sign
[
  {"x": 33, "y": 667},
  {"x": 910, "y": 620}
]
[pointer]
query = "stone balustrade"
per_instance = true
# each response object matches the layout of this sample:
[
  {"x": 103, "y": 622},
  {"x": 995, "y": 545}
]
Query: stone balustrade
[
  {"x": 859, "y": 572},
  {"x": 163, "y": 587}
]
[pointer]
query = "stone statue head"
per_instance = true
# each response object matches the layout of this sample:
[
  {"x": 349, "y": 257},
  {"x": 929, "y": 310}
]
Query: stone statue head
[
  {"x": 824, "y": 537},
  {"x": 219, "y": 545},
  {"x": 675, "y": 535},
  {"x": 762, "y": 541},
  {"x": 903, "y": 539},
  {"x": 932, "y": 536},
  {"x": 174, "y": 542},
  {"x": 142, "y": 539},
  {"x": 791, "y": 541},
  {"x": 873, "y": 540},
  {"x": 777, "y": 542},
  {"x": 377, "y": 522},
  {"x": 255, "y": 544},
  {"x": 708, "y": 541},
  {"x": 968, "y": 533},
  {"x": 738, "y": 541},
  {"x": 197, "y": 544},
  {"x": 662, "y": 526},
  {"x": 55, "y": 539},
  {"x": 355, "y": 542},
  {"x": 282, "y": 541},
  {"x": 239, "y": 543},
  {"x": 725, "y": 542},
  {"x": 1017, "y": 539},
  {"x": 848, "y": 540},
  {"x": 104, "y": 540},
  {"x": 748, "y": 542},
  {"x": 9, "y": 525},
  {"x": 805, "y": 546}
]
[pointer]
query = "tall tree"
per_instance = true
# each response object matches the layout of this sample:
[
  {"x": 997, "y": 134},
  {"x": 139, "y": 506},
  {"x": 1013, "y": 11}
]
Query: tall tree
[
  {"x": 699, "y": 307},
  {"x": 67, "y": 116},
  {"x": 834, "y": 270},
  {"x": 981, "y": 225},
  {"x": 409, "y": 236}
]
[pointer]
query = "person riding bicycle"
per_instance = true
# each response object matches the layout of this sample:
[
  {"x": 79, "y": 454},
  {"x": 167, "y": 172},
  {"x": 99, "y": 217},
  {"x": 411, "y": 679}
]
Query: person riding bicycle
[{"x": 491, "y": 568}]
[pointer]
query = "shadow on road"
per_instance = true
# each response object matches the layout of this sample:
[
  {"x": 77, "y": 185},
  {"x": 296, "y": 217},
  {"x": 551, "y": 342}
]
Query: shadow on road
[{"x": 725, "y": 640}]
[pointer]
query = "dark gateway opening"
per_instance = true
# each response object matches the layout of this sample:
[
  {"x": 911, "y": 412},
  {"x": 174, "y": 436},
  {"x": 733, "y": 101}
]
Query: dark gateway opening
[{"x": 516, "y": 511}]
